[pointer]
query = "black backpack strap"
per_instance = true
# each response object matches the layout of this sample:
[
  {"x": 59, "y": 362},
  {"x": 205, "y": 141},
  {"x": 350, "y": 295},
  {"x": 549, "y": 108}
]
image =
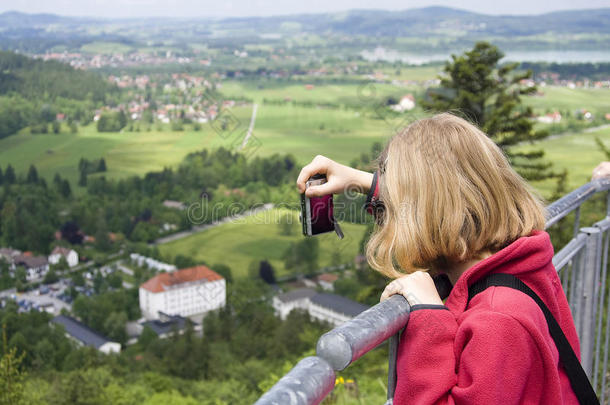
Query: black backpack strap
[{"x": 576, "y": 374}]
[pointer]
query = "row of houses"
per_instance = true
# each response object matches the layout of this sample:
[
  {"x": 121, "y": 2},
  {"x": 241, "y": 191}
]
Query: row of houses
[{"x": 37, "y": 267}]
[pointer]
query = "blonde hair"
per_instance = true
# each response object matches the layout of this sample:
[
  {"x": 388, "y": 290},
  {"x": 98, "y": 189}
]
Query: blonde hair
[{"x": 449, "y": 195}]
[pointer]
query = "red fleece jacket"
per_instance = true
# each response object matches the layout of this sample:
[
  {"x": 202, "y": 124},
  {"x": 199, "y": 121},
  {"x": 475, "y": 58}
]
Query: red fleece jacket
[{"x": 496, "y": 351}]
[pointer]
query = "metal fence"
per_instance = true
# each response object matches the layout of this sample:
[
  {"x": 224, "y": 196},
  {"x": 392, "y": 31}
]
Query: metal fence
[{"x": 582, "y": 265}]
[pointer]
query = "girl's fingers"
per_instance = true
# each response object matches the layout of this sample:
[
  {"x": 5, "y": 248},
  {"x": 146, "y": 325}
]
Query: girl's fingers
[
  {"x": 318, "y": 165},
  {"x": 390, "y": 290},
  {"x": 321, "y": 190}
]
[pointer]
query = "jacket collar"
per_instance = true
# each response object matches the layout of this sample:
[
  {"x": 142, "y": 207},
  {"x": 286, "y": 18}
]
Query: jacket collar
[{"x": 522, "y": 258}]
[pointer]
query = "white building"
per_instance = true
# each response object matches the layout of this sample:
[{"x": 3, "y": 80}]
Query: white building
[
  {"x": 186, "y": 292},
  {"x": 151, "y": 263},
  {"x": 406, "y": 103},
  {"x": 69, "y": 254},
  {"x": 330, "y": 308}
]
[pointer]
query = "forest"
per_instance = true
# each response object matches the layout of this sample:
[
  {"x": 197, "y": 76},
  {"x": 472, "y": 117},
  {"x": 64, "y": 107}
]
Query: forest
[{"x": 33, "y": 92}]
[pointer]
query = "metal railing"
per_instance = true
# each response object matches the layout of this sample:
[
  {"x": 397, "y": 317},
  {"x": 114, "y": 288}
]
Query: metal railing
[{"x": 582, "y": 264}]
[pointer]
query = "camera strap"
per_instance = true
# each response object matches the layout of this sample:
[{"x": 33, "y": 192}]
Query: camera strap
[{"x": 576, "y": 374}]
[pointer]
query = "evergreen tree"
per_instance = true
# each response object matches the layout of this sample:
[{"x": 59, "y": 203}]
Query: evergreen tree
[
  {"x": 57, "y": 180},
  {"x": 266, "y": 272},
  {"x": 9, "y": 175},
  {"x": 1, "y": 176},
  {"x": 101, "y": 167},
  {"x": 82, "y": 181},
  {"x": 32, "y": 177},
  {"x": 487, "y": 93},
  {"x": 65, "y": 189},
  {"x": 11, "y": 376}
]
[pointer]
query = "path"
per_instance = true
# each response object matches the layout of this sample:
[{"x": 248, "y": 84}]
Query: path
[{"x": 250, "y": 128}]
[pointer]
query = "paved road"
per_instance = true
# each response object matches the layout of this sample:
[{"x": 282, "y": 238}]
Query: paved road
[{"x": 250, "y": 128}]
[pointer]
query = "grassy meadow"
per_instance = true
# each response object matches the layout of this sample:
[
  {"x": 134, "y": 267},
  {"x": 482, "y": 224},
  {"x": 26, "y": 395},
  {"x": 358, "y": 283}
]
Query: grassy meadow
[
  {"x": 258, "y": 237},
  {"x": 577, "y": 153},
  {"x": 340, "y": 133}
]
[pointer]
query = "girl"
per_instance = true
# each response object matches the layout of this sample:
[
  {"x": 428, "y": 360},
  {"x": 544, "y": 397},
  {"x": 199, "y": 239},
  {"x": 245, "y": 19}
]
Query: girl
[{"x": 447, "y": 202}]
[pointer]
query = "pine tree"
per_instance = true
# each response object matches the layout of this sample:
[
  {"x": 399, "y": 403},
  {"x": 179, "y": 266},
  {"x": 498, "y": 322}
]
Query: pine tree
[
  {"x": 1, "y": 176},
  {"x": 82, "y": 181},
  {"x": 101, "y": 166},
  {"x": 32, "y": 175},
  {"x": 65, "y": 188},
  {"x": 57, "y": 180},
  {"x": 488, "y": 94},
  {"x": 9, "y": 175}
]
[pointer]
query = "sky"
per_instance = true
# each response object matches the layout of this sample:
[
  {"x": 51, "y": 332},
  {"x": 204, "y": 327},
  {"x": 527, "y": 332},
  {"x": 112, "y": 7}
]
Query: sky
[{"x": 244, "y": 8}]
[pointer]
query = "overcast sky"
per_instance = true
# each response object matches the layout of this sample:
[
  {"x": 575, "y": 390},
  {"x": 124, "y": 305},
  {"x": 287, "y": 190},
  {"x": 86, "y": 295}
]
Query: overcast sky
[{"x": 242, "y": 8}]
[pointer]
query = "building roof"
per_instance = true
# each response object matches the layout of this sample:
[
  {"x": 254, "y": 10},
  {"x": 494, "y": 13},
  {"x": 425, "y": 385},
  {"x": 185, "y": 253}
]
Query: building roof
[
  {"x": 297, "y": 294},
  {"x": 162, "y": 281},
  {"x": 167, "y": 324},
  {"x": 31, "y": 262},
  {"x": 59, "y": 250},
  {"x": 80, "y": 331},
  {"x": 8, "y": 252},
  {"x": 329, "y": 278},
  {"x": 338, "y": 304},
  {"x": 173, "y": 204}
]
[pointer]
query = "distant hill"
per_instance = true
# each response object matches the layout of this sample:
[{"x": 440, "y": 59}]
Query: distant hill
[{"x": 413, "y": 22}]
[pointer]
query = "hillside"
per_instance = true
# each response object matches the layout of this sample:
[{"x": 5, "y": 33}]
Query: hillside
[
  {"x": 37, "y": 33},
  {"x": 33, "y": 91}
]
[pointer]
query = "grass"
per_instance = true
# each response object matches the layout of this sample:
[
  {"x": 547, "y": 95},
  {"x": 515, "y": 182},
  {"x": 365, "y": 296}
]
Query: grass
[
  {"x": 347, "y": 94},
  {"x": 105, "y": 47},
  {"x": 258, "y": 238},
  {"x": 563, "y": 98},
  {"x": 126, "y": 154},
  {"x": 577, "y": 153}
]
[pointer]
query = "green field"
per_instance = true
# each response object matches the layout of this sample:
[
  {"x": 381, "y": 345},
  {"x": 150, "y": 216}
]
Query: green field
[
  {"x": 339, "y": 133},
  {"x": 563, "y": 98},
  {"x": 302, "y": 131},
  {"x": 105, "y": 47},
  {"x": 578, "y": 153},
  {"x": 126, "y": 154},
  {"x": 258, "y": 238},
  {"x": 356, "y": 95}
]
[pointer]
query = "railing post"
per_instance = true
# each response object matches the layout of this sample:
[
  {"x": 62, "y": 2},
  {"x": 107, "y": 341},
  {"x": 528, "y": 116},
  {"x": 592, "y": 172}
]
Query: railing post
[
  {"x": 308, "y": 383},
  {"x": 392, "y": 357},
  {"x": 589, "y": 277}
]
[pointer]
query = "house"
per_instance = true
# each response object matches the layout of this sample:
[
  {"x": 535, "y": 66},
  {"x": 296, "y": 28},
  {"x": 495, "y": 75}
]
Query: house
[
  {"x": 36, "y": 266},
  {"x": 327, "y": 281},
  {"x": 187, "y": 292},
  {"x": 177, "y": 205},
  {"x": 69, "y": 254},
  {"x": 406, "y": 103},
  {"x": 9, "y": 255},
  {"x": 86, "y": 336},
  {"x": 166, "y": 325},
  {"x": 550, "y": 118},
  {"x": 325, "y": 307}
]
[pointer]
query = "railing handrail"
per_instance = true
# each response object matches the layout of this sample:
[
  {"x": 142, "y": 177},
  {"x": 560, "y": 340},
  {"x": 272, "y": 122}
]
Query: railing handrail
[{"x": 346, "y": 343}]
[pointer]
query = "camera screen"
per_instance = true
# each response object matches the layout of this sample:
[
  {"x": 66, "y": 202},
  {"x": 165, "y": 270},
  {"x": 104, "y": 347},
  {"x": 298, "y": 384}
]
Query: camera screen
[{"x": 321, "y": 214}]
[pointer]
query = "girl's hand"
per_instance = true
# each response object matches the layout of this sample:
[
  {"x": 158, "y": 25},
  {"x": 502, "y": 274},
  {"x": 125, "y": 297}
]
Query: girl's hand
[
  {"x": 417, "y": 288},
  {"x": 339, "y": 178},
  {"x": 602, "y": 170}
]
